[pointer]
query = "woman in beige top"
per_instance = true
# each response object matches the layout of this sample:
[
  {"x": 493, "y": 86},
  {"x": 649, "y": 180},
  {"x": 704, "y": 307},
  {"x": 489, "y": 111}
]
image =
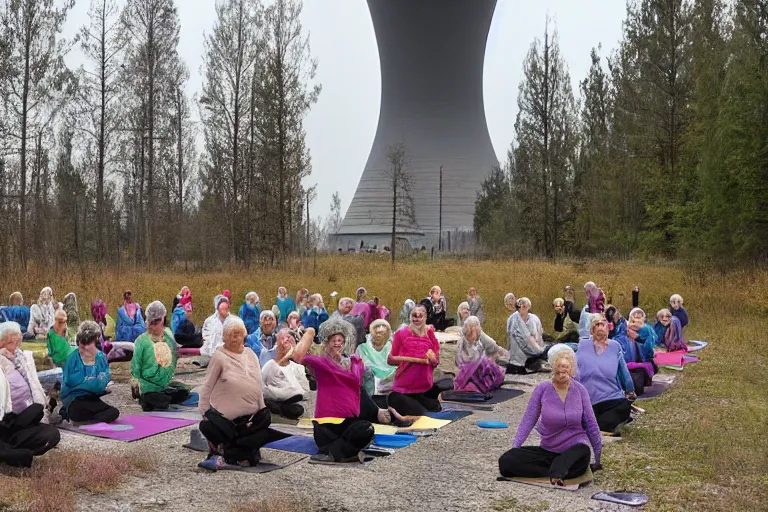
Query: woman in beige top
[{"x": 235, "y": 418}]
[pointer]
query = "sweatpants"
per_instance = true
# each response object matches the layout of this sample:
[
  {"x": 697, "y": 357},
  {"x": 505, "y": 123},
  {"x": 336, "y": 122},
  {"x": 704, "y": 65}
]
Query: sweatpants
[
  {"x": 22, "y": 436},
  {"x": 91, "y": 409},
  {"x": 290, "y": 408},
  {"x": 612, "y": 413},
  {"x": 415, "y": 404},
  {"x": 536, "y": 462},
  {"x": 160, "y": 401},
  {"x": 239, "y": 439}
]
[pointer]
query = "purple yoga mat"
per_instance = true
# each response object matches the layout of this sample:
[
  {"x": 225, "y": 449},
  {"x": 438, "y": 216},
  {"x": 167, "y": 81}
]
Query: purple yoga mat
[{"x": 130, "y": 428}]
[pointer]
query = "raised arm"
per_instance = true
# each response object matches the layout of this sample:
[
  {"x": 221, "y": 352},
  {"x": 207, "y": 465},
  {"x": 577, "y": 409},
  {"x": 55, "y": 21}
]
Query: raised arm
[
  {"x": 302, "y": 348},
  {"x": 531, "y": 416}
]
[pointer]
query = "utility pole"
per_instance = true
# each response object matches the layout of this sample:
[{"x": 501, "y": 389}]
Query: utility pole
[{"x": 440, "y": 218}]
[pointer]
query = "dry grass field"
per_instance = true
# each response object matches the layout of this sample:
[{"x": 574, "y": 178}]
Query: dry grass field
[{"x": 701, "y": 446}]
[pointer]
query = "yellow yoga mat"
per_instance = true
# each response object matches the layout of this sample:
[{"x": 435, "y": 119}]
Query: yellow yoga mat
[
  {"x": 377, "y": 427},
  {"x": 426, "y": 423}
]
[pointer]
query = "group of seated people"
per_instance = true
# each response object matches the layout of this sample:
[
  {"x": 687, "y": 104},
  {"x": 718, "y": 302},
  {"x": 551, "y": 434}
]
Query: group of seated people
[{"x": 256, "y": 369}]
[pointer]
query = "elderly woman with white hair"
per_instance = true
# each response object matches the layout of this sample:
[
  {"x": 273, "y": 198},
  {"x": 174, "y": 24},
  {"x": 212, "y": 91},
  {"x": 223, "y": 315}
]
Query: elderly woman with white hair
[
  {"x": 315, "y": 314},
  {"x": 41, "y": 315},
  {"x": 250, "y": 311},
  {"x": 235, "y": 418},
  {"x": 340, "y": 394},
  {"x": 462, "y": 313},
  {"x": 561, "y": 411},
  {"x": 22, "y": 431},
  {"x": 262, "y": 340},
  {"x": 85, "y": 378},
  {"x": 527, "y": 350},
  {"x": 212, "y": 327},
  {"x": 285, "y": 382},
  {"x": 677, "y": 309},
  {"x": 346, "y": 305},
  {"x": 374, "y": 353},
  {"x": 478, "y": 371},
  {"x": 437, "y": 309},
  {"x": 154, "y": 363},
  {"x": 57, "y": 341},
  {"x": 603, "y": 372}
]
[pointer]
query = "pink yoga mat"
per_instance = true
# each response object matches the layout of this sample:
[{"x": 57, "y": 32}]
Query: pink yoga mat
[
  {"x": 188, "y": 352},
  {"x": 669, "y": 358},
  {"x": 130, "y": 428}
]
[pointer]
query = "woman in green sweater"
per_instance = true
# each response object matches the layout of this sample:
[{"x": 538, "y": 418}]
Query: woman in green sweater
[
  {"x": 57, "y": 341},
  {"x": 154, "y": 362}
]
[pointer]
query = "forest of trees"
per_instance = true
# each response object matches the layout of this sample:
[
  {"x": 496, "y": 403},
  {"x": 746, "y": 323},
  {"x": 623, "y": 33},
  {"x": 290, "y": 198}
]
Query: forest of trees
[
  {"x": 105, "y": 164},
  {"x": 662, "y": 151}
]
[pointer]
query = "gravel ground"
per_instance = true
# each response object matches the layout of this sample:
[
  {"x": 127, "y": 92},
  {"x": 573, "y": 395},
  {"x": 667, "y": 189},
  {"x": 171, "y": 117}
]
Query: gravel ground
[{"x": 453, "y": 470}]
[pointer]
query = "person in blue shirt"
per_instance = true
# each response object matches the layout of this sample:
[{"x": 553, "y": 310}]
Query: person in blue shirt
[
  {"x": 85, "y": 378},
  {"x": 315, "y": 314},
  {"x": 285, "y": 304},
  {"x": 250, "y": 311}
]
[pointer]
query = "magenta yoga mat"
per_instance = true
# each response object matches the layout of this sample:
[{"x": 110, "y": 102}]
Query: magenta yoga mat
[{"x": 129, "y": 428}]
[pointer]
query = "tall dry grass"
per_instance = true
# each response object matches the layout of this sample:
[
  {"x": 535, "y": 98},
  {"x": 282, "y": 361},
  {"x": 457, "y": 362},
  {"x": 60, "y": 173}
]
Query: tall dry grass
[
  {"x": 701, "y": 446},
  {"x": 54, "y": 480}
]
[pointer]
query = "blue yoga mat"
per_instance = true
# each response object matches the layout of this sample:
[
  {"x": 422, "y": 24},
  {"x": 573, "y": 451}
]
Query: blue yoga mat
[
  {"x": 491, "y": 424},
  {"x": 296, "y": 444},
  {"x": 449, "y": 415},
  {"x": 192, "y": 401},
  {"x": 394, "y": 440}
]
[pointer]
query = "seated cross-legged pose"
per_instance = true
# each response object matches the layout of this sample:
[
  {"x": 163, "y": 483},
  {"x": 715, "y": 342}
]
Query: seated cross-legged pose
[
  {"x": 85, "y": 379},
  {"x": 213, "y": 325},
  {"x": 476, "y": 305},
  {"x": 669, "y": 331},
  {"x": 677, "y": 310},
  {"x": 603, "y": 371},
  {"x": 566, "y": 330},
  {"x": 130, "y": 322},
  {"x": 57, "y": 341},
  {"x": 235, "y": 419},
  {"x": 285, "y": 381},
  {"x": 262, "y": 340},
  {"x": 315, "y": 314},
  {"x": 374, "y": 353},
  {"x": 154, "y": 362},
  {"x": 41, "y": 314},
  {"x": 462, "y": 313},
  {"x": 562, "y": 414},
  {"x": 250, "y": 311},
  {"x": 478, "y": 371},
  {"x": 284, "y": 303},
  {"x": 437, "y": 309},
  {"x": 340, "y": 394},
  {"x": 22, "y": 433},
  {"x": 416, "y": 353},
  {"x": 527, "y": 350},
  {"x": 19, "y": 313}
]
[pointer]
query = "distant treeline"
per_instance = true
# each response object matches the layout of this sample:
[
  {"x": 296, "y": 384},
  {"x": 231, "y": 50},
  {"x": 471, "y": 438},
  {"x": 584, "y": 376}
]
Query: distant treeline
[{"x": 665, "y": 151}]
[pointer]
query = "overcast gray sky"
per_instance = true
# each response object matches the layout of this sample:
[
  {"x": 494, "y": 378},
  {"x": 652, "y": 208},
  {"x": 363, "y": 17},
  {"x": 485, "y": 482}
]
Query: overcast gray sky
[{"x": 341, "y": 126}]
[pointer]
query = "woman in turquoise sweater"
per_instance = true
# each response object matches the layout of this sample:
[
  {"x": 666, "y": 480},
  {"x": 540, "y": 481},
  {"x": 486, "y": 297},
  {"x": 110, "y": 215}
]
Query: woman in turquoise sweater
[
  {"x": 85, "y": 378},
  {"x": 154, "y": 363}
]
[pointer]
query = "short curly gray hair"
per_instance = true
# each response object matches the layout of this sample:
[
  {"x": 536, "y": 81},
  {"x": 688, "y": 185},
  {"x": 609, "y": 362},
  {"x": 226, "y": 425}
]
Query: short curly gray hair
[{"x": 89, "y": 332}]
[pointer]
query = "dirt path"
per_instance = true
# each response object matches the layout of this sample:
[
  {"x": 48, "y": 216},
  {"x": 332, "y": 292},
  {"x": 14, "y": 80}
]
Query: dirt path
[{"x": 453, "y": 470}]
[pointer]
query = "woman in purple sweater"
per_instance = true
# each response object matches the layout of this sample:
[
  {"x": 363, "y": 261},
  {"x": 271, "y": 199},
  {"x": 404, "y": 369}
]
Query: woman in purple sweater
[{"x": 563, "y": 410}]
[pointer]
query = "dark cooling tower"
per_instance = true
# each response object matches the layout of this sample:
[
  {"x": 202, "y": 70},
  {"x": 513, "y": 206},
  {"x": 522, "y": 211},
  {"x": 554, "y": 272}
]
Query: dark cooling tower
[{"x": 431, "y": 54}]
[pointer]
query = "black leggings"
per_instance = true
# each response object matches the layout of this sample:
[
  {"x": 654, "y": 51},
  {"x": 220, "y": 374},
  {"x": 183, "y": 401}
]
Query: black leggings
[
  {"x": 287, "y": 409},
  {"x": 89, "y": 409},
  {"x": 22, "y": 436},
  {"x": 612, "y": 413},
  {"x": 161, "y": 400},
  {"x": 344, "y": 440},
  {"x": 236, "y": 440},
  {"x": 536, "y": 462},
  {"x": 415, "y": 404}
]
